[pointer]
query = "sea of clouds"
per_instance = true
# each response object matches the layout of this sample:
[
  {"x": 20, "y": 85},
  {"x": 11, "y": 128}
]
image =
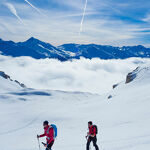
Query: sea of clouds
[{"x": 95, "y": 76}]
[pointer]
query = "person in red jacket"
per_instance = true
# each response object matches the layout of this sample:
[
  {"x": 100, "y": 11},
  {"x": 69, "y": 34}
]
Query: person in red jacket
[
  {"x": 91, "y": 135},
  {"x": 49, "y": 133}
]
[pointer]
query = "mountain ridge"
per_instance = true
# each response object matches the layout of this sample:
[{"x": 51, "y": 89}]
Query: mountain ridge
[{"x": 37, "y": 49}]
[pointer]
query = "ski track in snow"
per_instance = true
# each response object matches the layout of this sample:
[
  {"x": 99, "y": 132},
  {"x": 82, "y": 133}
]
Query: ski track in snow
[{"x": 21, "y": 128}]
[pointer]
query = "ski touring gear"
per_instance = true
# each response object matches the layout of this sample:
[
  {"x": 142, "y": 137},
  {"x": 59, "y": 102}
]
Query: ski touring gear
[
  {"x": 96, "y": 129},
  {"x": 94, "y": 140},
  {"x": 45, "y": 145},
  {"x": 49, "y": 133},
  {"x": 39, "y": 143},
  {"x": 87, "y": 137},
  {"x": 48, "y": 146},
  {"x": 92, "y": 131},
  {"x": 55, "y": 130}
]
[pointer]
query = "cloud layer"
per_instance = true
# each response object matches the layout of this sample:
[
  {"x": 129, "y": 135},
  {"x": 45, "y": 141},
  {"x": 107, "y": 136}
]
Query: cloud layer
[{"x": 96, "y": 76}]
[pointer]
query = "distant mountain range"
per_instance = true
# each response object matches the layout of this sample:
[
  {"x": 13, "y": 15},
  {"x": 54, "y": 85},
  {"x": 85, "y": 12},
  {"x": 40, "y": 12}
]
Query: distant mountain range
[{"x": 38, "y": 49}]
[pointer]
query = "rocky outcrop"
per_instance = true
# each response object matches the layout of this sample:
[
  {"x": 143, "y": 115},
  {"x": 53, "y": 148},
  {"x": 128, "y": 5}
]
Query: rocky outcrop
[
  {"x": 131, "y": 76},
  {"x": 21, "y": 84},
  {"x": 7, "y": 77},
  {"x": 110, "y": 96},
  {"x": 115, "y": 85},
  {"x": 2, "y": 74}
]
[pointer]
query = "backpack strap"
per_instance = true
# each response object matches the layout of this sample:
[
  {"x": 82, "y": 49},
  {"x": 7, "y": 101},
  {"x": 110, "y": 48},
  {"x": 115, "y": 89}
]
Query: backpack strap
[
  {"x": 48, "y": 129},
  {"x": 93, "y": 128}
]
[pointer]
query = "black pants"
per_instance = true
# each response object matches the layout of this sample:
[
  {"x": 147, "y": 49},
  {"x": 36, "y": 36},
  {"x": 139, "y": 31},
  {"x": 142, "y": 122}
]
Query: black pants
[
  {"x": 94, "y": 140},
  {"x": 49, "y": 146}
]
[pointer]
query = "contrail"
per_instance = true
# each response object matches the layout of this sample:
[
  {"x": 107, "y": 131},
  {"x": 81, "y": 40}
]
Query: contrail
[
  {"x": 33, "y": 6},
  {"x": 81, "y": 26},
  {"x": 13, "y": 10}
]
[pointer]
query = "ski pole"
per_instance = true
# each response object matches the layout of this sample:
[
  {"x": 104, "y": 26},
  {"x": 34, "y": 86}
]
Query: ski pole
[
  {"x": 39, "y": 144},
  {"x": 90, "y": 147}
]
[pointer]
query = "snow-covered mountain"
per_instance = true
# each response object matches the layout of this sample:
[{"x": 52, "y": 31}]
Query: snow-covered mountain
[
  {"x": 106, "y": 52},
  {"x": 33, "y": 48},
  {"x": 123, "y": 121},
  {"x": 38, "y": 49}
]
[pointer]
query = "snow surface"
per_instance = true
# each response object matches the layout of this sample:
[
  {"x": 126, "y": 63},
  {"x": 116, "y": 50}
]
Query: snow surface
[
  {"x": 8, "y": 85},
  {"x": 123, "y": 121}
]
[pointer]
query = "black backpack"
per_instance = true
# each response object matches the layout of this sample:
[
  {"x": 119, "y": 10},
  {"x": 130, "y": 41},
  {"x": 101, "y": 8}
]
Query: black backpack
[{"x": 95, "y": 126}]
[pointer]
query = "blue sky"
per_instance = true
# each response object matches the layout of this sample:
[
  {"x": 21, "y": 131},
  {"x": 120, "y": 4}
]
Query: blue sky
[{"x": 109, "y": 22}]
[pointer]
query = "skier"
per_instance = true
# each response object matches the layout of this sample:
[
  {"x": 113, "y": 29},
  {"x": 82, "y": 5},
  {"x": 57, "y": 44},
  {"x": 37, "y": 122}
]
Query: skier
[
  {"x": 49, "y": 133},
  {"x": 91, "y": 136}
]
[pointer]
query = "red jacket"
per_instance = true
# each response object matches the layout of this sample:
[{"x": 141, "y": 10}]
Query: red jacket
[
  {"x": 49, "y": 133},
  {"x": 92, "y": 130}
]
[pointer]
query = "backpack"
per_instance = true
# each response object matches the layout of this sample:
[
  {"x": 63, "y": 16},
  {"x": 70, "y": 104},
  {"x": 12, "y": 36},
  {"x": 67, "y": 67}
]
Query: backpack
[
  {"x": 55, "y": 129},
  {"x": 95, "y": 126}
]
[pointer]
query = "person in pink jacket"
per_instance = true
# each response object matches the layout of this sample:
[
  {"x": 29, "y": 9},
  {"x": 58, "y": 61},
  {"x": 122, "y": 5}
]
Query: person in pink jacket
[{"x": 49, "y": 133}]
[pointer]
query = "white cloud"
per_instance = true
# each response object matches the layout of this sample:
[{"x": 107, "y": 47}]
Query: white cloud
[
  {"x": 60, "y": 27},
  {"x": 13, "y": 11},
  {"x": 96, "y": 76},
  {"x": 33, "y": 7},
  {"x": 65, "y": 30},
  {"x": 83, "y": 16},
  {"x": 147, "y": 18}
]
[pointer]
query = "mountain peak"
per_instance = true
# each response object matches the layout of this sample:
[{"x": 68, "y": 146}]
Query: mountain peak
[{"x": 32, "y": 39}]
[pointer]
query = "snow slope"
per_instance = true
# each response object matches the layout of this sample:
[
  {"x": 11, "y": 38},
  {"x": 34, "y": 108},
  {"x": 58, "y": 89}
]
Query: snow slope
[
  {"x": 123, "y": 121},
  {"x": 8, "y": 85}
]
